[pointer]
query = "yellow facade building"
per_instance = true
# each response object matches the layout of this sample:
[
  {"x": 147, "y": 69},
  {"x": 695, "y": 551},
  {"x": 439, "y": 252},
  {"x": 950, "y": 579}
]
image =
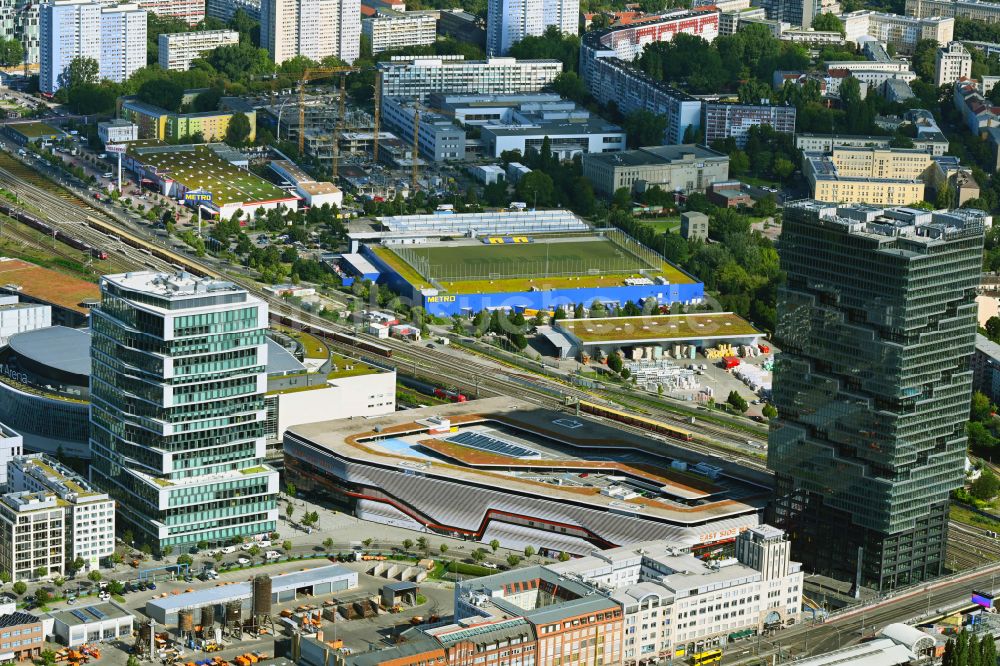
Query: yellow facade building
[{"x": 889, "y": 177}]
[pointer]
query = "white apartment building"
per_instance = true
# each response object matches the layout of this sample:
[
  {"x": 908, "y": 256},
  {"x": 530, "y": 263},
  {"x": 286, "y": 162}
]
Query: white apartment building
[
  {"x": 312, "y": 28},
  {"x": 398, "y": 30},
  {"x": 190, "y": 11},
  {"x": 90, "y": 515},
  {"x": 675, "y": 604},
  {"x": 510, "y": 21},
  {"x": 178, "y": 50},
  {"x": 952, "y": 63},
  {"x": 114, "y": 36},
  {"x": 11, "y": 446},
  {"x": 406, "y": 76},
  {"x": 903, "y": 32},
  {"x": 224, "y": 9},
  {"x": 32, "y": 539}
]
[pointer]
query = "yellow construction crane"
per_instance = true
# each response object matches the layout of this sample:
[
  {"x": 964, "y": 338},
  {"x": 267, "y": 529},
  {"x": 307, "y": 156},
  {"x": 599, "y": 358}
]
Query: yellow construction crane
[{"x": 311, "y": 75}]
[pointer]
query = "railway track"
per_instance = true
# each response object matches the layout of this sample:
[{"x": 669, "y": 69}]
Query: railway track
[
  {"x": 970, "y": 546},
  {"x": 133, "y": 250}
]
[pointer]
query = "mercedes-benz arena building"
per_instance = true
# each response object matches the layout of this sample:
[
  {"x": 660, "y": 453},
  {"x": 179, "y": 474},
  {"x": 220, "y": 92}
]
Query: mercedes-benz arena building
[{"x": 504, "y": 469}]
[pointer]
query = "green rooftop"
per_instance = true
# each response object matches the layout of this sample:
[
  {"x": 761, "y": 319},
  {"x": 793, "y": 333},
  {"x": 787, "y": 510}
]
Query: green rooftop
[
  {"x": 36, "y": 130},
  {"x": 197, "y": 167},
  {"x": 709, "y": 325}
]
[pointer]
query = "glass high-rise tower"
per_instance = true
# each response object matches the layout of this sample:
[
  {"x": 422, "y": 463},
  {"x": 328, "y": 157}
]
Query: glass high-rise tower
[
  {"x": 177, "y": 408},
  {"x": 877, "y": 323}
]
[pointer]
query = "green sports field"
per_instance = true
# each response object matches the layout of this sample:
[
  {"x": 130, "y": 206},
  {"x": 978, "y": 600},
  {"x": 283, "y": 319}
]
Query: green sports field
[{"x": 522, "y": 260}]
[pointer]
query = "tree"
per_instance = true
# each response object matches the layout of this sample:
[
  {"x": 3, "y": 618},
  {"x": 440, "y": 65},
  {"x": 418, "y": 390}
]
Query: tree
[
  {"x": 962, "y": 649},
  {"x": 4, "y": 577},
  {"x": 553, "y": 44},
  {"x": 60, "y": 581},
  {"x": 116, "y": 587},
  {"x": 286, "y": 545},
  {"x": 974, "y": 654},
  {"x": 644, "y": 128},
  {"x": 42, "y": 596},
  {"x": 981, "y": 408},
  {"x": 78, "y": 564},
  {"x": 986, "y": 486},
  {"x": 407, "y": 544},
  {"x": 537, "y": 189},
  {"x": 529, "y": 551},
  {"x": 184, "y": 558},
  {"x": 254, "y": 551},
  {"x": 828, "y": 23},
  {"x": 166, "y": 550},
  {"x": 20, "y": 588},
  {"x": 94, "y": 576},
  {"x": 993, "y": 328},
  {"x": 737, "y": 401},
  {"x": 987, "y": 650},
  {"x": 564, "y": 556},
  {"x": 202, "y": 545},
  {"x": 769, "y": 411},
  {"x": 478, "y": 555},
  {"x": 328, "y": 543},
  {"x": 217, "y": 556},
  {"x": 513, "y": 559},
  {"x": 164, "y": 93},
  {"x": 48, "y": 657},
  {"x": 238, "y": 130},
  {"x": 443, "y": 548},
  {"x": 570, "y": 86},
  {"x": 289, "y": 511},
  {"x": 755, "y": 92},
  {"x": 423, "y": 544},
  {"x": 924, "y": 54},
  {"x": 367, "y": 543},
  {"x": 208, "y": 100},
  {"x": 495, "y": 545},
  {"x": 80, "y": 70},
  {"x": 615, "y": 362},
  {"x": 290, "y": 489}
]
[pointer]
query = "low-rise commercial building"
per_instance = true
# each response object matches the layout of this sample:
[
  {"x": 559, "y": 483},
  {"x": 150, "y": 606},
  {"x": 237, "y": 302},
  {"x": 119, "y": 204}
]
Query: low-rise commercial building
[
  {"x": 415, "y": 76},
  {"x": 575, "y": 133},
  {"x": 117, "y": 130},
  {"x": 90, "y": 514},
  {"x": 177, "y": 50},
  {"x": 17, "y": 317},
  {"x": 890, "y": 177},
  {"x": 683, "y": 168},
  {"x": 438, "y": 138},
  {"x": 22, "y": 636},
  {"x": 399, "y": 30},
  {"x": 103, "y": 622},
  {"x": 722, "y": 121},
  {"x": 951, "y": 63},
  {"x": 313, "y": 192}
]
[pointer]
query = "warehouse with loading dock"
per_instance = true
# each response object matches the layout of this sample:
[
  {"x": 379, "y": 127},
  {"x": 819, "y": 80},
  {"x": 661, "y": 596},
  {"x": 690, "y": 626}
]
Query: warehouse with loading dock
[{"x": 322, "y": 580}]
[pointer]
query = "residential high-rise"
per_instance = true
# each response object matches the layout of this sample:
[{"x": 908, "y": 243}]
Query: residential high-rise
[
  {"x": 224, "y": 9},
  {"x": 19, "y": 20},
  {"x": 877, "y": 323},
  {"x": 412, "y": 76},
  {"x": 399, "y": 30},
  {"x": 177, "y": 408},
  {"x": 951, "y": 63},
  {"x": 178, "y": 50},
  {"x": 191, "y": 12},
  {"x": 113, "y": 36},
  {"x": 798, "y": 12},
  {"x": 312, "y": 28},
  {"x": 510, "y": 21}
]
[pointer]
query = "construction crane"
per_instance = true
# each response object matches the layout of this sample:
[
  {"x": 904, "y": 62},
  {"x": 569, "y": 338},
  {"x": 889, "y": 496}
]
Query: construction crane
[
  {"x": 312, "y": 74},
  {"x": 378, "y": 113}
]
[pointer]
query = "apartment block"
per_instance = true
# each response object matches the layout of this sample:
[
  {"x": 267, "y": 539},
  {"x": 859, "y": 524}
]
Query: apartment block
[
  {"x": 90, "y": 515},
  {"x": 114, "y": 36},
  {"x": 11, "y": 446},
  {"x": 32, "y": 539},
  {"x": 611, "y": 79},
  {"x": 19, "y": 20},
  {"x": 676, "y": 604},
  {"x": 315, "y": 29},
  {"x": 399, "y": 30},
  {"x": 683, "y": 168},
  {"x": 978, "y": 112},
  {"x": 225, "y": 9},
  {"x": 406, "y": 76},
  {"x": 179, "y": 49},
  {"x": 903, "y": 32},
  {"x": 887, "y": 177},
  {"x": 974, "y": 10},
  {"x": 733, "y": 121},
  {"x": 510, "y": 21},
  {"x": 156, "y": 123},
  {"x": 182, "y": 445},
  {"x": 952, "y": 63},
  {"x": 190, "y": 11},
  {"x": 627, "y": 41},
  {"x": 932, "y": 141},
  {"x": 798, "y": 13}
]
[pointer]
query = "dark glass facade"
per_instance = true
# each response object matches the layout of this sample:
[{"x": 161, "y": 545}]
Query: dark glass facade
[{"x": 877, "y": 324}]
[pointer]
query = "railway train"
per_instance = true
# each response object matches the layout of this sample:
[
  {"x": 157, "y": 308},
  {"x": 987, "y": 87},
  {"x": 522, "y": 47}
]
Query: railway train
[
  {"x": 334, "y": 336},
  {"x": 49, "y": 230},
  {"x": 639, "y": 421},
  {"x": 450, "y": 394}
]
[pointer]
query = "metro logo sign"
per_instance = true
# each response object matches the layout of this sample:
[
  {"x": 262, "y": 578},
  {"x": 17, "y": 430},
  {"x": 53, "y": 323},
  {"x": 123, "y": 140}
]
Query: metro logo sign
[{"x": 198, "y": 196}]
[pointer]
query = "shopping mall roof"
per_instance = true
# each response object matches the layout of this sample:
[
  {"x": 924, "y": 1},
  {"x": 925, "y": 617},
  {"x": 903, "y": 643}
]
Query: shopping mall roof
[{"x": 58, "y": 347}]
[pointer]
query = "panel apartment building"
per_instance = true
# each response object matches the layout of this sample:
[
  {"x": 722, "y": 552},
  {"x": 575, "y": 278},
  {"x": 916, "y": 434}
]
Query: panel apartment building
[
  {"x": 114, "y": 36},
  {"x": 399, "y": 30},
  {"x": 408, "y": 76},
  {"x": 311, "y": 28},
  {"x": 974, "y": 10},
  {"x": 510, "y": 21},
  {"x": 181, "y": 444},
  {"x": 877, "y": 323},
  {"x": 179, "y": 49}
]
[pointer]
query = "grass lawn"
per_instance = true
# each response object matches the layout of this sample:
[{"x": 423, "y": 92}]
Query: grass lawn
[
  {"x": 960, "y": 514},
  {"x": 35, "y": 130},
  {"x": 663, "y": 224},
  {"x": 659, "y": 327},
  {"x": 312, "y": 347}
]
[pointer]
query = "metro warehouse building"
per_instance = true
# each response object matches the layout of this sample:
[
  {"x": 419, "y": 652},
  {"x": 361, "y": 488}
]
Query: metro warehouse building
[
  {"x": 503, "y": 469},
  {"x": 539, "y": 272}
]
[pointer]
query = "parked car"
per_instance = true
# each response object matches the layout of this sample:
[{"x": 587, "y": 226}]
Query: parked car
[
  {"x": 247, "y": 546},
  {"x": 228, "y": 550},
  {"x": 243, "y": 561},
  {"x": 272, "y": 554}
]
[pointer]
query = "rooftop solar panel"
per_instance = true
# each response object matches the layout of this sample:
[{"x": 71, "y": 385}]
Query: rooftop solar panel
[
  {"x": 483, "y": 442},
  {"x": 80, "y": 616},
  {"x": 100, "y": 615}
]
